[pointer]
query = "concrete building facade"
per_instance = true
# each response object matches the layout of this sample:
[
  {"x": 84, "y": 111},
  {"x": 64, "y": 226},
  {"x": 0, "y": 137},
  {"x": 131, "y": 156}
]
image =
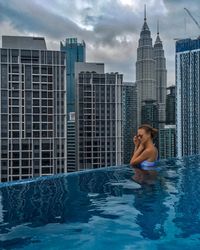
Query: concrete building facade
[
  {"x": 129, "y": 114},
  {"x": 98, "y": 117},
  {"x": 33, "y": 109}
]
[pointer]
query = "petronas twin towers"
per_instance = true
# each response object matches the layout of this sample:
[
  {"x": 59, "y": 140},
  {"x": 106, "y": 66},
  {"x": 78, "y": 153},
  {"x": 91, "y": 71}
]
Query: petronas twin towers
[{"x": 151, "y": 74}]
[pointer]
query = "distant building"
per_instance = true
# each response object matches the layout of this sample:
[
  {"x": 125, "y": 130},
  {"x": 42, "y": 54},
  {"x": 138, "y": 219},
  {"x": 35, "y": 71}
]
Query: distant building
[
  {"x": 151, "y": 74},
  {"x": 149, "y": 113},
  {"x": 33, "y": 109},
  {"x": 71, "y": 147},
  {"x": 167, "y": 142},
  {"x": 161, "y": 80},
  {"x": 98, "y": 117},
  {"x": 75, "y": 52},
  {"x": 129, "y": 118},
  {"x": 171, "y": 106},
  {"x": 188, "y": 96},
  {"x": 145, "y": 70}
]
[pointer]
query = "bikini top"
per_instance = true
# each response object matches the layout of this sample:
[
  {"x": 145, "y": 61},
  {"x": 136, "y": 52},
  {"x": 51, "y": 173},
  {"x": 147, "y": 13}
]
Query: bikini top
[{"x": 147, "y": 165}]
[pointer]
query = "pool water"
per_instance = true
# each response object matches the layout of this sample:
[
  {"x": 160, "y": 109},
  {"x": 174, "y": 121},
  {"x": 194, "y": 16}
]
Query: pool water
[{"x": 105, "y": 209}]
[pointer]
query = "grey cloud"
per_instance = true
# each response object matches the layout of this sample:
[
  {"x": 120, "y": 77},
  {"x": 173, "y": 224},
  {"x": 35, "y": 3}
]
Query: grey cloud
[
  {"x": 115, "y": 27},
  {"x": 35, "y": 18}
]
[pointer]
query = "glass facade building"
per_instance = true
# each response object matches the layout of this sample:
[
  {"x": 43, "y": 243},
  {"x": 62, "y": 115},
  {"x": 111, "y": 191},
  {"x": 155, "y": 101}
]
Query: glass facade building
[
  {"x": 129, "y": 113},
  {"x": 149, "y": 113},
  {"x": 33, "y": 110},
  {"x": 167, "y": 142},
  {"x": 188, "y": 96},
  {"x": 171, "y": 106},
  {"x": 98, "y": 117},
  {"x": 75, "y": 52}
]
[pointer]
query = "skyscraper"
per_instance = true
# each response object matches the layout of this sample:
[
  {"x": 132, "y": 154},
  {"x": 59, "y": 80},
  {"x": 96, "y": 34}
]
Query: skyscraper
[
  {"x": 98, "y": 117},
  {"x": 188, "y": 96},
  {"x": 170, "y": 106},
  {"x": 75, "y": 52},
  {"x": 129, "y": 118},
  {"x": 161, "y": 80},
  {"x": 151, "y": 74},
  {"x": 167, "y": 142},
  {"x": 149, "y": 114},
  {"x": 145, "y": 69},
  {"x": 33, "y": 109}
]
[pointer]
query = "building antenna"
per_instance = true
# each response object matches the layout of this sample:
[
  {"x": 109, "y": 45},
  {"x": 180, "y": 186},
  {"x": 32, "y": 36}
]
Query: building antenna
[
  {"x": 158, "y": 27},
  {"x": 145, "y": 13}
]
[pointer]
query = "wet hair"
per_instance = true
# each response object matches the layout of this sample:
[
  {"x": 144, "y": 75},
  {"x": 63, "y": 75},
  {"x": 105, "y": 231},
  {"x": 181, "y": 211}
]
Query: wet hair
[{"x": 149, "y": 129}]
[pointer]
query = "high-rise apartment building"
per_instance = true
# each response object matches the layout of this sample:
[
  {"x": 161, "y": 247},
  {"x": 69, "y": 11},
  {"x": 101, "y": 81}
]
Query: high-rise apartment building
[
  {"x": 129, "y": 113},
  {"x": 71, "y": 147},
  {"x": 161, "y": 80},
  {"x": 188, "y": 96},
  {"x": 33, "y": 109},
  {"x": 98, "y": 117},
  {"x": 171, "y": 106},
  {"x": 167, "y": 142}
]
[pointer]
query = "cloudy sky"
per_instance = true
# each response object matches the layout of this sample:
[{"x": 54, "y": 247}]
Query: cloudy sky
[{"x": 110, "y": 28}]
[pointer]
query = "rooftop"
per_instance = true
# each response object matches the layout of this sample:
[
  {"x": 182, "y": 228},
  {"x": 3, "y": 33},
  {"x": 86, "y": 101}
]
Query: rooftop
[{"x": 23, "y": 42}]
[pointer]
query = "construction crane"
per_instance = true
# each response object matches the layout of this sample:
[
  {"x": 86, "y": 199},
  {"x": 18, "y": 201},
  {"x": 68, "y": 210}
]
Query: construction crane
[{"x": 192, "y": 17}]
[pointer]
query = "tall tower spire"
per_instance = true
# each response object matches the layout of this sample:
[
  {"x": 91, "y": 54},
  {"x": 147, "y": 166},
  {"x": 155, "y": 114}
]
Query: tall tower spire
[
  {"x": 161, "y": 78},
  {"x": 145, "y": 69},
  {"x": 157, "y": 27},
  {"x": 145, "y": 13}
]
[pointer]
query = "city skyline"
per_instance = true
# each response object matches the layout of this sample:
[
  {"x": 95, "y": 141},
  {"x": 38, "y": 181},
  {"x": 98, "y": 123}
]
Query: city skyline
[{"x": 107, "y": 38}]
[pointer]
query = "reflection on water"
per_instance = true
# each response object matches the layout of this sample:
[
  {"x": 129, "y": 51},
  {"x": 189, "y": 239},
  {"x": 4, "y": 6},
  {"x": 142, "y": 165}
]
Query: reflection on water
[
  {"x": 153, "y": 212},
  {"x": 187, "y": 207},
  {"x": 145, "y": 176},
  {"x": 107, "y": 200}
]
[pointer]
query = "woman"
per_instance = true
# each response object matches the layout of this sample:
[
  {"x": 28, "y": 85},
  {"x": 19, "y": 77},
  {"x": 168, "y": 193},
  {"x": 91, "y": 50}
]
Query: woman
[{"x": 145, "y": 153}]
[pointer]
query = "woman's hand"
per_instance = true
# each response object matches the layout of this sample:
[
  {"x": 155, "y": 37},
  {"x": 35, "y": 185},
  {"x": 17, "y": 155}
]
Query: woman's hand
[{"x": 136, "y": 141}]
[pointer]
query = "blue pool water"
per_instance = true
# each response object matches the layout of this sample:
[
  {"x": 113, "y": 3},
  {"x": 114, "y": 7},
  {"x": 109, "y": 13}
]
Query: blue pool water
[{"x": 105, "y": 209}]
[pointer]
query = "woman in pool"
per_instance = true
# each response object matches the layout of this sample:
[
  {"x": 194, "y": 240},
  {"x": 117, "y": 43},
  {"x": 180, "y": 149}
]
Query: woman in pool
[{"x": 145, "y": 153}]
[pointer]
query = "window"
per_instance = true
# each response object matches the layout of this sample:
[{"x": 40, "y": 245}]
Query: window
[
  {"x": 35, "y": 70},
  {"x": 36, "y": 126},
  {"x": 36, "y": 94},
  {"x": 36, "y": 102},
  {"x": 15, "y": 134},
  {"x": 36, "y": 110},
  {"x": 44, "y": 94}
]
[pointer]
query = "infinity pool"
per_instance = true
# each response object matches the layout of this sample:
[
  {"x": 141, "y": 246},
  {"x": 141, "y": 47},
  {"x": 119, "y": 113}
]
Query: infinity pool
[{"x": 104, "y": 209}]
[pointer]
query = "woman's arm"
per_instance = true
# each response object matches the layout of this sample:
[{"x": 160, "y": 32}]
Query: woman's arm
[
  {"x": 138, "y": 158},
  {"x": 138, "y": 150}
]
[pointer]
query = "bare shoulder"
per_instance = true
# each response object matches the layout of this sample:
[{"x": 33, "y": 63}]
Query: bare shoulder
[
  {"x": 152, "y": 153},
  {"x": 151, "y": 149}
]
